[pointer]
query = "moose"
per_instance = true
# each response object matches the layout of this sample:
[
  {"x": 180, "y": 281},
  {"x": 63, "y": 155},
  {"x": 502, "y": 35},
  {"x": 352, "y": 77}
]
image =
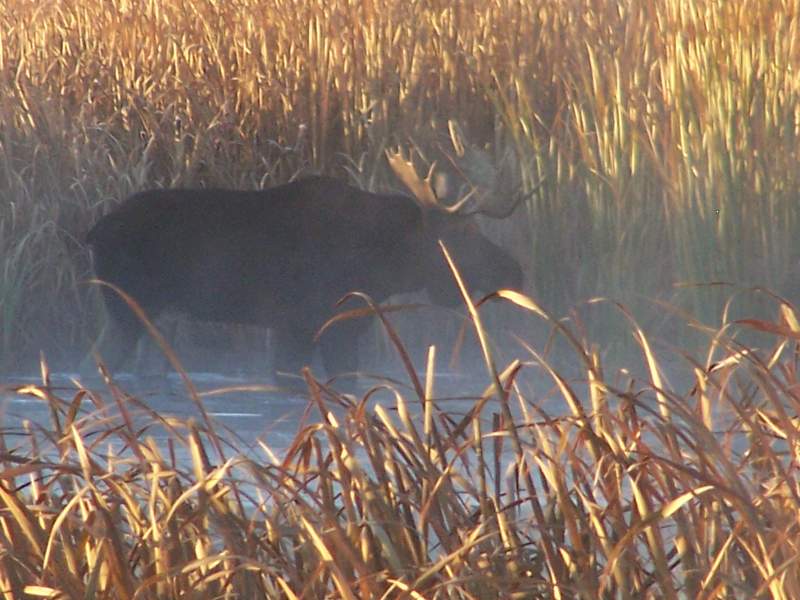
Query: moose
[{"x": 281, "y": 258}]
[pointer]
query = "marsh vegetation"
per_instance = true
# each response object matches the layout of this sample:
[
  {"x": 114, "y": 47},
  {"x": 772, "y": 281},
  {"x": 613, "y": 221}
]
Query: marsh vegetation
[
  {"x": 607, "y": 486},
  {"x": 666, "y": 132},
  {"x": 665, "y": 137}
]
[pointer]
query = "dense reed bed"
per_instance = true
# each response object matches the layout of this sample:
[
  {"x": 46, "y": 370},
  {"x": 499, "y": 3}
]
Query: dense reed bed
[
  {"x": 666, "y": 131},
  {"x": 665, "y": 134},
  {"x": 616, "y": 486}
]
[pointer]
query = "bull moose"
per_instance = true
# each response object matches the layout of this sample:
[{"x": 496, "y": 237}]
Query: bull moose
[{"x": 282, "y": 257}]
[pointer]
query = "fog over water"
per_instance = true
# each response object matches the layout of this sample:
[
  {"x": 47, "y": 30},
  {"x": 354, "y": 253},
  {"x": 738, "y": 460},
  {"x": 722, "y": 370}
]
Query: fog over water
[{"x": 246, "y": 411}]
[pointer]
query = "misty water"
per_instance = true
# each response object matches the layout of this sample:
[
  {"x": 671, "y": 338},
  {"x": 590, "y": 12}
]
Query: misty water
[
  {"x": 262, "y": 424},
  {"x": 245, "y": 412}
]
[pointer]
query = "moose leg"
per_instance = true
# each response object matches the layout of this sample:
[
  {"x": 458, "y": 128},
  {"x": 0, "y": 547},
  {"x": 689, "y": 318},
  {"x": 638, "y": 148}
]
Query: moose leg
[
  {"x": 118, "y": 339},
  {"x": 339, "y": 346},
  {"x": 292, "y": 348}
]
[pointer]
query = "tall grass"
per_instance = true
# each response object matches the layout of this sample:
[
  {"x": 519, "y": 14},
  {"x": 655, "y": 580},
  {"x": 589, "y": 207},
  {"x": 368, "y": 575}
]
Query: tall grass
[
  {"x": 617, "y": 486},
  {"x": 666, "y": 131},
  {"x": 672, "y": 115}
]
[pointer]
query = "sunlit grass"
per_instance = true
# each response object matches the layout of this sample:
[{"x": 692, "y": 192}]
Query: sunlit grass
[
  {"x": 666, "y": 131},
  {"x": 603, "y": 487}
]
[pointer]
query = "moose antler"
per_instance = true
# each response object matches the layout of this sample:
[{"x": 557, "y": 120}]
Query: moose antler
[
  {"x": 422, "y": 189},
  {"x": 481, "y": 180}
]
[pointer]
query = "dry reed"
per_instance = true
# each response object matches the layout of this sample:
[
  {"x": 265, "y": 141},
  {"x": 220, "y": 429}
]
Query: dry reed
[
  {"x": 666, "y": 130},
  {"x": 596, "y": 489}
]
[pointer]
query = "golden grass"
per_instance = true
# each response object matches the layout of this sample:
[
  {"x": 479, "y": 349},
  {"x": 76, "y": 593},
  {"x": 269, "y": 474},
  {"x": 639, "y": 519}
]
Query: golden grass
[
  {"x": 600, "y": 488},
  {"x": 668, "y": 135},
  {"x": 667, "y": 130}
]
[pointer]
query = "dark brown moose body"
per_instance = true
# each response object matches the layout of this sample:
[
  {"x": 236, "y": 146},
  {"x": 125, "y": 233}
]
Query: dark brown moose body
[{"x": 281, "y": 258}]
